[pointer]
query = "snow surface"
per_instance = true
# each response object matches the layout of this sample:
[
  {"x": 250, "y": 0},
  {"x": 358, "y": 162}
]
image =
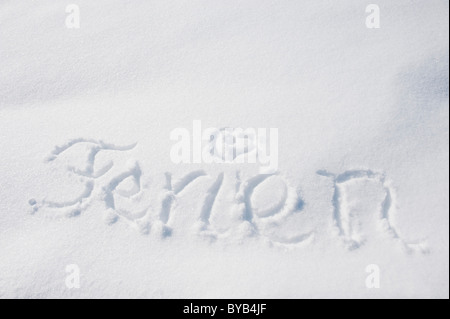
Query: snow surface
[{"x": 86, "y": 177}]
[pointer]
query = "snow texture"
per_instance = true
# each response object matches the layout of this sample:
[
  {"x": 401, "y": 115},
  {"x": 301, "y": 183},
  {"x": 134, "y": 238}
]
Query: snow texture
[{"x": 86, "y": 177}]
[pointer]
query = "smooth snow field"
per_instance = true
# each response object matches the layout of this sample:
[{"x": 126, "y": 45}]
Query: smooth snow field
[{"x": 105, "y": 188}]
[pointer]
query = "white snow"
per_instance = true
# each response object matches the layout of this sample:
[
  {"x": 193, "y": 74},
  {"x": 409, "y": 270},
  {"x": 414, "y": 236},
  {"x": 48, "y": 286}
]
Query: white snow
[{"x": 86, "y": 177}]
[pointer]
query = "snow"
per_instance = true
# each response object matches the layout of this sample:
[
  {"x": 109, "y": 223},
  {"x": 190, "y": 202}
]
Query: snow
[{"x": 86, "y": 177}]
